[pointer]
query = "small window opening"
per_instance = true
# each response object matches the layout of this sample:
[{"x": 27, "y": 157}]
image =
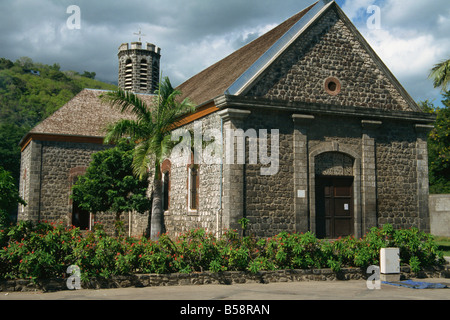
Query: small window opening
[
  {"x": 332, "y": 86},
  {"x": 166, "y": 177},
  {"x": 80, "y": 218},
  {"x": 193, "y": 188}
]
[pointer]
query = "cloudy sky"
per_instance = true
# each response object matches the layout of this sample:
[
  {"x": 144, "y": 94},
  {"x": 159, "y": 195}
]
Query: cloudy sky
[{"x": 412, "y": 36}]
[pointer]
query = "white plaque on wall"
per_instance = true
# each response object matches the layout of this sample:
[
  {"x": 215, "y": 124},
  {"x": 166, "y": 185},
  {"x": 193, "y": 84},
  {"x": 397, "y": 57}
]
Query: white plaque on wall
[{"x": 301, "y": 193}]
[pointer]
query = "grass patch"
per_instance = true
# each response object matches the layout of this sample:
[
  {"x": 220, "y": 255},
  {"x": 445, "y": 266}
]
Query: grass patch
[{"x": 444, "y": 244}]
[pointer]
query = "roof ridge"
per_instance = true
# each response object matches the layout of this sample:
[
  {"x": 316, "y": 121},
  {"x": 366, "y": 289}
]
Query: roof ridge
[
  {"x": 278, "y": 47},
  {"x": 215, "y": 79}
]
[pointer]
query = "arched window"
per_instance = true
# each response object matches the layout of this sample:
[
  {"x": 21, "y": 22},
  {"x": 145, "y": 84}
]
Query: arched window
[
  {"x": 166, "y": 185},
  {"x": 24, "y": 180},
  {"x": 80, "y": 218},
  {"x": 193, "y": 184},
  {"x": 165, "y": 170}
]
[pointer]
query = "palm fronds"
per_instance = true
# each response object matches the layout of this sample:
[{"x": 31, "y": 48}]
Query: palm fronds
[
  {"x": 441, "y": 74},
  {"x": 151, "y": 128}
]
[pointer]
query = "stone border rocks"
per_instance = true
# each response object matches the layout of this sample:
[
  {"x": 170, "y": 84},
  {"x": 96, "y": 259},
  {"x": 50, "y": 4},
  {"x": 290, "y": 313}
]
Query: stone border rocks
[{"x": 202, "y": 278}]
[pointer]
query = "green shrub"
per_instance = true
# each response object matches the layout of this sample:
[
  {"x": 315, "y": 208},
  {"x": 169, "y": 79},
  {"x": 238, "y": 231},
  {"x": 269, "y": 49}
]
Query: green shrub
[
  {"x": 294, "y": 251},
  {"x": 46, "y": 250}
]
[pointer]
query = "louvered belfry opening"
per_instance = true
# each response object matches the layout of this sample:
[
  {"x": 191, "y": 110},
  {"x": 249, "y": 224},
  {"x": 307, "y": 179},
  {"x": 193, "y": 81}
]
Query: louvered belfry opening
[{"x": 139, "y": 67}]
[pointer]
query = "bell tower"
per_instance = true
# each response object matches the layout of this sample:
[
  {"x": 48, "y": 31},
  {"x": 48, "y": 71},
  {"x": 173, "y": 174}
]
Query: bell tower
[{"x": 139, "y": 67}]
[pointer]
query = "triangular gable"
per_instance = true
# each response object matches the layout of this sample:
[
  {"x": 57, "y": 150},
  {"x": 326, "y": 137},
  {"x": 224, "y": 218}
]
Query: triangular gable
[{"x": 324, "y": 45}]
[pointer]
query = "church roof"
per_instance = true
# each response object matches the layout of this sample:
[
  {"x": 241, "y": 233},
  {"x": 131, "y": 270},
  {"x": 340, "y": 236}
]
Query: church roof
[
  {"x": 84, "y": 115},
  {"x": 216, "y": 79},
  {"x": 235, "y": 75}
]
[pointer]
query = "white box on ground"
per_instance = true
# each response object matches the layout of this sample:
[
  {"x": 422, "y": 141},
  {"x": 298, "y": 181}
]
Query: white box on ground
[{"x": 389, "y": 260}]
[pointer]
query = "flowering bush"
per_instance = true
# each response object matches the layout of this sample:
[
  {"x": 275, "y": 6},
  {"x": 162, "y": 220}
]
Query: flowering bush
[{"x": 45, "y": 250}]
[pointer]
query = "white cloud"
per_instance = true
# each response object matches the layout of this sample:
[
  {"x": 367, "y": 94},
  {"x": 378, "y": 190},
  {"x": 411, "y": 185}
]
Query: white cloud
[
  {"x": 354, "y": 8},
  {"x": 206, "y": 51},
  {"x": 413, "y": 37},
  {"x": 405, "y": 56}
]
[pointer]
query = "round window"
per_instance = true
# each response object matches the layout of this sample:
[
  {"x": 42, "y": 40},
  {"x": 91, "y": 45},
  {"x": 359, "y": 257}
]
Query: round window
[{"x": 332, "y": 86}]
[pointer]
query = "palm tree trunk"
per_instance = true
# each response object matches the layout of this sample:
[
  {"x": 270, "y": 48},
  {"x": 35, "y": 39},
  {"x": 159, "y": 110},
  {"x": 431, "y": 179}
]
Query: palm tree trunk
[{"x": 156, "y": 220}]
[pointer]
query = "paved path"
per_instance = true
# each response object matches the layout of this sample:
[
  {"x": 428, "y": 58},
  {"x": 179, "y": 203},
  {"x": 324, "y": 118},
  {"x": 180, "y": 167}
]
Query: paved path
[
  {"x": 238, "y": 301},
  {"x": 305, "y": 290}
]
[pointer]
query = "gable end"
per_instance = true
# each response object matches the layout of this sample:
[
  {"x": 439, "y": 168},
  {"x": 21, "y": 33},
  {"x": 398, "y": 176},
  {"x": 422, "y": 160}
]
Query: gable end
[{"x": 331, "y": 47}]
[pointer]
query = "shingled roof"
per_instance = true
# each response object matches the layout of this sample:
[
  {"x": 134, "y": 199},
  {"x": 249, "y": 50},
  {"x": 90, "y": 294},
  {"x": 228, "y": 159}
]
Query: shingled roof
[
  {"x": 215, "y": 80},
  {"x": 84, "y": 115}
]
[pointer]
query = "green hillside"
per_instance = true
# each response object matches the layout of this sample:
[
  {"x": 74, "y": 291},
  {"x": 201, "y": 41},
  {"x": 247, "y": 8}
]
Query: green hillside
[{"x": 30, "y": 92}]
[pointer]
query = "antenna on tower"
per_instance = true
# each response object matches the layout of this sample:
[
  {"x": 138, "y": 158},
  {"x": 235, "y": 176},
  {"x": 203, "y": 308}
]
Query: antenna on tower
[{"x": 140, "y": 34}]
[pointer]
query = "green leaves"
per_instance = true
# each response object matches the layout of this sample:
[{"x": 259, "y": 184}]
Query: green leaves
[
  {"x": 109, "y": 183},
  {"x": 9, "y": 196},
  {"x": 439, "y": 147},
  {"x": 27, "y": 99},
  {"x": 151, "y": 128},
  {"x": 45, "y": 250},
  {"x": 440, "y": 74}
]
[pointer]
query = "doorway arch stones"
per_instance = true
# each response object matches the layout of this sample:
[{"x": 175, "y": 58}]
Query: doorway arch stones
[{"x": 327, "y": 147}]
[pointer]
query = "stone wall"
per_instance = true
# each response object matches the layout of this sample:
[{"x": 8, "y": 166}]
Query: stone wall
[
  {"x": 269, "y": 199},
  {"x": 48, "y": 170},
  {"x": 205, "y": 278},
  {"x": 397, "y": 180},
  {"x": 440, "y": 214},
  {"x": 386, "y": 158},
  {"x": 390, "y": 156},
  {"x": 179, "y": 218},
  {"x": 385, "y": 163}
]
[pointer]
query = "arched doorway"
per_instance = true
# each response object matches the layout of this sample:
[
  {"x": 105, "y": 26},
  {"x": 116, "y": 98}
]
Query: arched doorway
[{"x": 334, "y": 195}]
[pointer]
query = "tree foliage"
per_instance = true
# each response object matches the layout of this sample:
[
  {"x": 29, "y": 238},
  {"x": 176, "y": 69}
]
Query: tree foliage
[
  {"x": 151, "y": 131},
  {"x": 152, "y": 125},
  {"x": 440, "y": 74},
  {"x": 30, "y": 92},
  {"x": 9, "y": 197},
  {"x": 439, "y": 146},
  {"x": 109, "y": 184}
]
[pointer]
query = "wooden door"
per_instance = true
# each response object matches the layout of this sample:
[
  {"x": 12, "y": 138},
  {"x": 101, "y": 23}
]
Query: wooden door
[{"x": 334, "y": 207}]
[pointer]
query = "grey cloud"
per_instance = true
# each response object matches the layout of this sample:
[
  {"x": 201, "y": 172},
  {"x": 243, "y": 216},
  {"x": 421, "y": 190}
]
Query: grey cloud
[{"x": 182, "y": 28}]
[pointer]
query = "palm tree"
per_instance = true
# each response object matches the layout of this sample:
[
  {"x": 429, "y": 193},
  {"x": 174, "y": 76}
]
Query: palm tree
[
  {"x": 441, "y": 74},
  {"x": 151, "y": 131}
]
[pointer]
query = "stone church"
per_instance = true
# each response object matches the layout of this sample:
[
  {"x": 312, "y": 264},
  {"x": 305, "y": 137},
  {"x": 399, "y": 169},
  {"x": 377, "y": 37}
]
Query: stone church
[{"x": 351, "y": 142}]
